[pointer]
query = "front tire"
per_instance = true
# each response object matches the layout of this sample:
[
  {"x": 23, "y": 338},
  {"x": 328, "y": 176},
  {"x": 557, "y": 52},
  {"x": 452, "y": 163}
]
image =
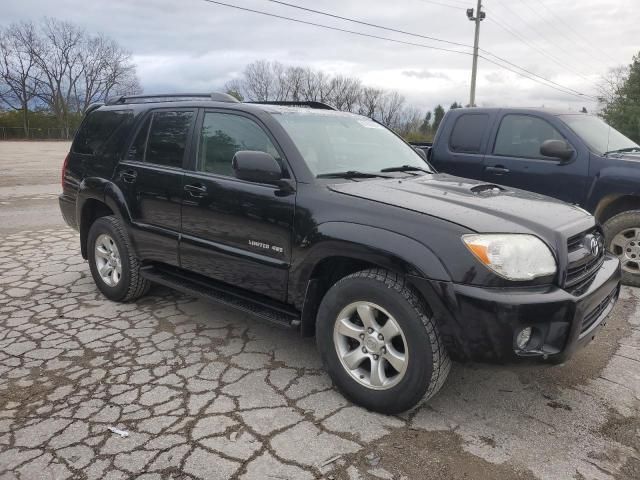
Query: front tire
[
  {"x": 114, "y": 266},
  {"x": 622, "y": 233},
  {"x": 379, "y": 343}
]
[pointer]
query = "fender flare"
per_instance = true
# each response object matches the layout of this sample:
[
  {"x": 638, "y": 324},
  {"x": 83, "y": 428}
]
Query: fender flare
[
  {"x": 106, "y": 192},
  {"x": 374, "y": 245}
]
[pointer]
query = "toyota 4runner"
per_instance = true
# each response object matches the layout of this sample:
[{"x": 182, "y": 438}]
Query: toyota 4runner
[{"x": 329, "y": 223}]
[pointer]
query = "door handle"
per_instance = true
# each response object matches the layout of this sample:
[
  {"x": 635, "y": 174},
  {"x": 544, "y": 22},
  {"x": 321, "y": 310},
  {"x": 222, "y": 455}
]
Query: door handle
[
  {"x": 129, "y": 176},
  {"x": 196, "y": 191},
  {"x": 497, "y": 169}
]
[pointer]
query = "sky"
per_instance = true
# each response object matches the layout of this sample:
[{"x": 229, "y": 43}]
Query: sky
[{"x": 197, "y": 46}]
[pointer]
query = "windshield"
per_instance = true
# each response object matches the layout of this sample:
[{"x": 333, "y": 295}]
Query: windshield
[
  {"x": 332, "y": 142},
  {"x": 599, "y": 136}
]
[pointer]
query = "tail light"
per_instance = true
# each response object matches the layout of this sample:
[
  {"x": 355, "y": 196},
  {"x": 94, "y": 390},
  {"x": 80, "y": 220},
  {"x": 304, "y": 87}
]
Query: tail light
[{"x": 64, "y": 169}]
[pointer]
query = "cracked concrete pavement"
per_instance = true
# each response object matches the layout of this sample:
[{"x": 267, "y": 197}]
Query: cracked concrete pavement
[{"x": 209, "y": 393}]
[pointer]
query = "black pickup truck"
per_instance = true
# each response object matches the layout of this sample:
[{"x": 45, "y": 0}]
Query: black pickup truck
[
  {"x": 571, "y": 156},
  {"x": 329, "y": 223}
]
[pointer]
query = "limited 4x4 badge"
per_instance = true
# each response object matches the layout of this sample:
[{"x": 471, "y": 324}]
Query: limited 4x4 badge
[{"x": 266, "y": 246}]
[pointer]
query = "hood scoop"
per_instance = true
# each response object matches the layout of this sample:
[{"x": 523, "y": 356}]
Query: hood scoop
[{"x": 488, "y": 189}]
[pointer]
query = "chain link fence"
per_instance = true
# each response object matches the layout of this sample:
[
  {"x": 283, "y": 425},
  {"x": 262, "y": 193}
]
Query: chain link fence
[{"x": 18, "y": 133}]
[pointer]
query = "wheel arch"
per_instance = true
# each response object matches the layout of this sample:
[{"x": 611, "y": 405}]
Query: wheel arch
[
  {"x": 342, "y": 249},
  {"x": 612, "y": 205},
  {"x": 98, "y": 198}
]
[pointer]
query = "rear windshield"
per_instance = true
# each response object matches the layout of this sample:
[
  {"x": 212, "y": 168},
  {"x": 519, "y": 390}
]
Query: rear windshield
[{"x": 99, "y": 130}]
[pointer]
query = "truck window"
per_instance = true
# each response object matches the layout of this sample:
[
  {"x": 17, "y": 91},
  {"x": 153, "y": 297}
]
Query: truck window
[
  {"x": 98, "y": 129},
  {"x": 468, "y": 132},
  {"x": 137, "y": 148},
  {"x": 223, "y": 135},
  {"x": 168, "y": 138},
  {"x": 522, "y": 136}
]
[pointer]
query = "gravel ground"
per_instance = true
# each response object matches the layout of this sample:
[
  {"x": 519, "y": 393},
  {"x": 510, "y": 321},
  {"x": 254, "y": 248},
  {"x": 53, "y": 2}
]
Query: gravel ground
[{"x": 209, "y": 393}]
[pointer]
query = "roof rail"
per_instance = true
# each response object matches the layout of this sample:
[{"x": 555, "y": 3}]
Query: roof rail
[
  {"x": 171, "y": 97},
  {"x": 93, "y": 106},
  {"x": 318, "y": 105}
]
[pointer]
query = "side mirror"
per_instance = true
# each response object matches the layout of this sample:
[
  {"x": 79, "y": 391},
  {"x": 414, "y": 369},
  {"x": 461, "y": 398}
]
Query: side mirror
[
  {"x": 421, "y": 152},
  {"x": 258, "y": 167},
  {"x": 557, "y": 149}
]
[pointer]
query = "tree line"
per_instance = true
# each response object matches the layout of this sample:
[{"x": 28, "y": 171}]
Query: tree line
[
  {"x": 57, "y": 67},
  {"x": 272, "y": 81},
  {"x": 620, "y": 99}
]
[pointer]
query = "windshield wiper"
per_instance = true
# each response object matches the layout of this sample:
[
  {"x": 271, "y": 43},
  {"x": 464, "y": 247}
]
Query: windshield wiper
[
  {"x": 350, "y": 174},
  {"x": 624, "y": 150},
  {"x": 406, "y": 168}
]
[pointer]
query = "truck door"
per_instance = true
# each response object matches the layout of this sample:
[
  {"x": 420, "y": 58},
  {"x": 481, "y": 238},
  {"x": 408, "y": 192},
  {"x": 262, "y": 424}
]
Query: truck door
[
  {"x": 515, "y": 160},
  {"x": 235, "y": 231},
  {"x": 458, "y": 149}
]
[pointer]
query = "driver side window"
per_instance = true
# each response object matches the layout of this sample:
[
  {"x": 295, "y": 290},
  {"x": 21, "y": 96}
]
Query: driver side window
[
  {"x": 225, "y": 134},
  {"x": 523, "y": 135}
]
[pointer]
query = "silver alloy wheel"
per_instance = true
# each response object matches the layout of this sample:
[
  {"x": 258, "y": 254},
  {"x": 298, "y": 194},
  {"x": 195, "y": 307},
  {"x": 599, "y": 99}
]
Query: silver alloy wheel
[
  {"x": 626, "y": 245},
  {"x": 371, "y": 345},
  {"x": 107, "y": 258}
]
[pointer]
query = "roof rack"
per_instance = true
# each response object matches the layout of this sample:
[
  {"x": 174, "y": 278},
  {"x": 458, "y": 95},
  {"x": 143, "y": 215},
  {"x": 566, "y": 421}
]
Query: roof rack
[
  {"x": 171, "y": 97},
  {"x": 318, "y": 105}
]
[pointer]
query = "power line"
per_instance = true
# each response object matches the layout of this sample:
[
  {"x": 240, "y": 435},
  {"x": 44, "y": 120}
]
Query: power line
[
  {"x": 560, "y": 31},
  {"x": 585, "y": 40},
  {"x": 458, "y": 6},
  {"x": 327, "y": 14},
  {"x": 563, "y": 89},
  {"x": 538, "y": 35},
  {"x": 404, "y": 32},
  {"x": 553, "y": 58}
]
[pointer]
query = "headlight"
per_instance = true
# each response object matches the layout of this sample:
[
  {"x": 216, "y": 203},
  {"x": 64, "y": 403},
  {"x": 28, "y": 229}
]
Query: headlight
[{"x": 512, "y": 256}]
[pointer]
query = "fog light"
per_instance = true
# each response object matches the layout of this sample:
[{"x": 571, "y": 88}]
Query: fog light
[{"x": 522, "y": 340}]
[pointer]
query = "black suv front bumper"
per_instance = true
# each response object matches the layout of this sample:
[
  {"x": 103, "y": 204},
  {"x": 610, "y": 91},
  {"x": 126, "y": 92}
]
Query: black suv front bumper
[{"x": 481, "y": 323}]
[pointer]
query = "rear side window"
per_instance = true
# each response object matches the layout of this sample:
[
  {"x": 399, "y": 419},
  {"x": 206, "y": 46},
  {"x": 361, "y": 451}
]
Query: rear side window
[
  {"x": 468, "y": 133},
  {"x": 167, "y": 139},
  {"x": 223, "y": 135},
  {"x": 523, "y": 135},
  {"x": 139, "y": 145},
  {"x": 99, "y": 129}
]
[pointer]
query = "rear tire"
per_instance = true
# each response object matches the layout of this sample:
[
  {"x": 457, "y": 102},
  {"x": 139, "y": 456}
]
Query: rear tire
[
  {"x": 622, "y": 233},
  {"x": 114, "y": 266},
  {"x": 379, "y": 344}
]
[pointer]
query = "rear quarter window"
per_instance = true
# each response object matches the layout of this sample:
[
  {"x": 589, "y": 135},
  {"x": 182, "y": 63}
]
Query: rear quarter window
[
  {"x": 101, "y": 129},
  {"x": 468, "y": 133}
]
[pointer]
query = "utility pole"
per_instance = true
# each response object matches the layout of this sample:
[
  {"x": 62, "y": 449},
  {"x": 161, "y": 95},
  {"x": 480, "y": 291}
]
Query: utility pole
[{"x": 474, "y": 69}]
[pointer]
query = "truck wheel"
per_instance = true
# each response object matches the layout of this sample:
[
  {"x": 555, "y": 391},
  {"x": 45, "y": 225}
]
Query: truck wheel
[
  {"x": 623, "y": 239},
  {"x": 114, "y": 266},
  {"x": 378, "y": 343}
]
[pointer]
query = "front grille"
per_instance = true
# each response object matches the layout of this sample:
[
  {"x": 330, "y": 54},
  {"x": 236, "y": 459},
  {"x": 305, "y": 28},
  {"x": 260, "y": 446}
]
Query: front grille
[
  {"x": 593, "y": 316},
  {"x": 582, "y": 263}
]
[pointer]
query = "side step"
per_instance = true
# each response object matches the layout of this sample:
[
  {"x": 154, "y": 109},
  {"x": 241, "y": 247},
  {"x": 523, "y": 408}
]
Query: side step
[{"x": 210, "y": 290}]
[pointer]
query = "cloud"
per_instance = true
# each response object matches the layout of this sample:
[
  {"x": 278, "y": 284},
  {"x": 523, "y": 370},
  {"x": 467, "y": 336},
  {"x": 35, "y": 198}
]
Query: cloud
[
  {"x": 193, "y": 45},
  {"x": 426, "y": 74}
]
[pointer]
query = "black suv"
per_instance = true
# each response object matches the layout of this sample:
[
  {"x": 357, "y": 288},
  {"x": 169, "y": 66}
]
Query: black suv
[{"x": 329, "y": 223}]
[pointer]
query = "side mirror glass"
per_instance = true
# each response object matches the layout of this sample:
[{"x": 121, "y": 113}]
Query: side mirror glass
[
  {"x": 557, "y": 149},
  {"x": 258, "y": 167}
]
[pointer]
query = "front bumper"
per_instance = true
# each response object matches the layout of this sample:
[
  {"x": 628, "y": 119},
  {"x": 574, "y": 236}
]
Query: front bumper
[{"x": 481, "y": 323}]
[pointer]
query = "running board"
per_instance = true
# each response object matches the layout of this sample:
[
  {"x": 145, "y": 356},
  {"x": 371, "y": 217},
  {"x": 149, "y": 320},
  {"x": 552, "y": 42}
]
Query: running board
[{"x": 191, "y": 284}]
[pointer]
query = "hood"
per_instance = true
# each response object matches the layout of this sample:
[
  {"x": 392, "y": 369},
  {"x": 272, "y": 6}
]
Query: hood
[{"x": 476, "y": 205}]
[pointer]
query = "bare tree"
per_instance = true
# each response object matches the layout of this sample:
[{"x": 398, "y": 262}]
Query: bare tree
[
  {"x": 390, "y": 107},
  {"x": 346, "y": 93},
  {"x": 17, "y": 64},
  {"x": 107, "y": 70},
  {"x": 259, "y": 83},
  {"x": 611, "y": 84},
  {"x": 370, "y": 101},
  {"x": 59, "y": 68}
]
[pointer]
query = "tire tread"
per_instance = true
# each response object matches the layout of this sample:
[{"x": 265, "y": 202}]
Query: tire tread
[{"x": 441, "y": 360}]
